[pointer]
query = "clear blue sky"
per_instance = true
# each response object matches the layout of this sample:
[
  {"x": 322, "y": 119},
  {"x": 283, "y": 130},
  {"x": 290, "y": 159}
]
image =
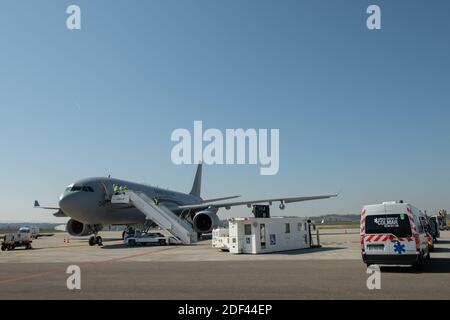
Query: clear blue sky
[{"x": 365, "y": 112}]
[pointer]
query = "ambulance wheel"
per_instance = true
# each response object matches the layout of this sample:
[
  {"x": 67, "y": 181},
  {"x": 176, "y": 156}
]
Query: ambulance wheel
[
  {"x": 92, "y": 241},
  {"x": 162, "y": 242},
  {"x": 420, "y": 264},
  {"x": 99, "y": 241}
]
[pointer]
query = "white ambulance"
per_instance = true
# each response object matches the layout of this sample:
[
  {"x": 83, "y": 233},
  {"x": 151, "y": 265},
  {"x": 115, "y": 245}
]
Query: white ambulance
[{"x": 394, "y": 233}]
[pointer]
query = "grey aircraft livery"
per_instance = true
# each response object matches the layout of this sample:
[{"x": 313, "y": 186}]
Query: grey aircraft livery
[{"x": 88, "y": 205}]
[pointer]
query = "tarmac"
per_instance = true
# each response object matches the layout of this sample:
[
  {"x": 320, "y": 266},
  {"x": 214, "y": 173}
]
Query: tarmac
[{"x": 115, "y": 271}]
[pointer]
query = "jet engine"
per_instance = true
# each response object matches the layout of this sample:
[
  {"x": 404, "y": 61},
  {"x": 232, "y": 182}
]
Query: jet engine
[
  {"x": 79, "y": 229},
  {"x": 205, "y": 221}
]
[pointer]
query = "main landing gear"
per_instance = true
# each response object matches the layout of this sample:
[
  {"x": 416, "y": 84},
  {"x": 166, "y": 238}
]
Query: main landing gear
[{"x": 95, "y": 240}]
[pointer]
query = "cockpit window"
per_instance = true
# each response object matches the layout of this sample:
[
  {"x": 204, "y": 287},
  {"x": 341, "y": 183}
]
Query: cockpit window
[{"x": 80, "y": 188}]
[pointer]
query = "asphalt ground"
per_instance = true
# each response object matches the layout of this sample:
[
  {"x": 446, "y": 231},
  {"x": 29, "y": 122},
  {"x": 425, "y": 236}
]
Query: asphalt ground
[{"x": 115, "y": 271}]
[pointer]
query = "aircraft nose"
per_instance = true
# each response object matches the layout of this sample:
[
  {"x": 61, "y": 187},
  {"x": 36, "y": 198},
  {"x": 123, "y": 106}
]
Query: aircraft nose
[{"x": 68, "y": 203}]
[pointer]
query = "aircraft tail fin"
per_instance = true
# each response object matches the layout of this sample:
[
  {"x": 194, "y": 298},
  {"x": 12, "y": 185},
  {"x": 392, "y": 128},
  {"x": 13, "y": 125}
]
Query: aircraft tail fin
[{"x": 197, "y": 186}]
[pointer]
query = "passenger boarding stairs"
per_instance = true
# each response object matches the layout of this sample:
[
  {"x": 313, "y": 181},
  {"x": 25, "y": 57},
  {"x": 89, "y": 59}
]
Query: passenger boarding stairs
[{"x": 159, "y": 214}]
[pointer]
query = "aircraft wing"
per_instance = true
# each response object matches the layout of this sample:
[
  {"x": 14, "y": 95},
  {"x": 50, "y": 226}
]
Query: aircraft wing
[
  {"x": 220, "y": 199},
  {"x": 58, "y": 214},
  {"x": 228, "y": 205}
]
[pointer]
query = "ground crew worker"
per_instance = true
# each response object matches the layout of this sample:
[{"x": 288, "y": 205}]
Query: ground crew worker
[
  {"x": 116, "y": 188},
  {"x": 126, "y": 189}
]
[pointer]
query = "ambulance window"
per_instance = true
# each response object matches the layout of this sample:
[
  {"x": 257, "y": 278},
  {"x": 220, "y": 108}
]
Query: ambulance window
[
  {"x": 396, "y": 224},
  {"x": 288, "y": 228},
  {"x": 248, "y": 229}
]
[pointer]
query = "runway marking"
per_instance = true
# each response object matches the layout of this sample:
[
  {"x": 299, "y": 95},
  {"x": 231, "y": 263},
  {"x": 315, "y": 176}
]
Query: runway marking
[
  {"x": 84, "y": 264},
  {"x": 28, "y": 277},
  {"x": 130, "y": 256}
]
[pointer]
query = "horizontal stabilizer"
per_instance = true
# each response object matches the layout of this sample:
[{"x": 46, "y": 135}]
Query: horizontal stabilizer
[{"x": 37, "y": 205}]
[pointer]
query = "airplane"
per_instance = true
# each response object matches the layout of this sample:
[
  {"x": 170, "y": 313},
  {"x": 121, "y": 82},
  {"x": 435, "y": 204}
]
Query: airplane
[{"x": 88, "y": 204}]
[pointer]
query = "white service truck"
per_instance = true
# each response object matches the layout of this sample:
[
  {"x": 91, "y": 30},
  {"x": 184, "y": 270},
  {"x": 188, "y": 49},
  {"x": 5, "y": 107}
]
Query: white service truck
[
  {"x": 12, "y": 241},
  {"x": 33, "y": 231}
]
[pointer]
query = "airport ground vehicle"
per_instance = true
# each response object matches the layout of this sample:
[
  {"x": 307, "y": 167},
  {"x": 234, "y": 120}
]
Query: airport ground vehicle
[
  {"x": 145, "y": 238},
  {"x": 394, "y": 233},
  {"x": 12, "y": 241},
  {"x": 33, "y": 231},
  {"x": 434, "y": 230},
  {"x": 441, "y": 218}
]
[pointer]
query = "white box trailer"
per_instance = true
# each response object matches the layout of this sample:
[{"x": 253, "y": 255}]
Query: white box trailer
[{"x": 265, "y": 235}]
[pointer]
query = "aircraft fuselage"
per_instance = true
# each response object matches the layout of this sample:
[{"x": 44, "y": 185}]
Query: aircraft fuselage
[{"x": 86, "y": 201}]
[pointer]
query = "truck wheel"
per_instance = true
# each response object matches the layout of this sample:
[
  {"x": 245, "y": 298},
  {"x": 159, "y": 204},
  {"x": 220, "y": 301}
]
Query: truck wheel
[
  {"x": 162, "y": 242},
  {"x": 92, "y": 241},
  {"x": 132, "y": 242},
  {"x": 3, "y": 248}
]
